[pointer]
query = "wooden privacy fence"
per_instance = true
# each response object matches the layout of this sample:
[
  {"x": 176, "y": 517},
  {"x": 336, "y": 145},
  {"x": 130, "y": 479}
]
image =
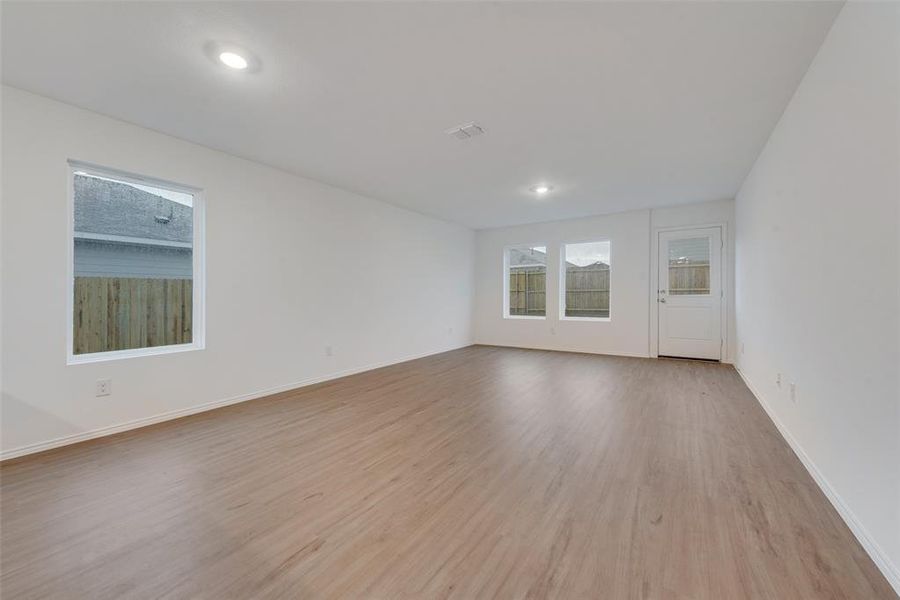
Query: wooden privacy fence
[
  {"x": 527, "y": 291},
  {"x": 587, "y": 291},
  {"x": 116, "y": 313},
  {"x": 587, "y": 288},
  {"x": 686, "y": 279}
]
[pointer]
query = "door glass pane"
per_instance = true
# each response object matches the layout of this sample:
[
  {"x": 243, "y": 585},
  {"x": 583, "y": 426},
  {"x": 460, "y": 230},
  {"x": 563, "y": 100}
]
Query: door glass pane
[{"x": 689, "y": 267}]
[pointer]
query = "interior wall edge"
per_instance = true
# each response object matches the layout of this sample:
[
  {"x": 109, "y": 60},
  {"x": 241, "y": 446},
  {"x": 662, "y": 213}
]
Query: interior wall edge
[
  {"x": 881, "y": 559},
  {"x": 172, "y": 415},
  {"x": 290, "y": 252}
]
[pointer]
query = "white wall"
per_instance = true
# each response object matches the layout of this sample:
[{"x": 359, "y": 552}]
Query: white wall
[
  {"x": 628, "y": 332},
  {"x": 292, "y": 265},
  {"x": 818, "y": 273}
]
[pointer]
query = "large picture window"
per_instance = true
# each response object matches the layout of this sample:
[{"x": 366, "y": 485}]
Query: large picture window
[
  {"x": 586, "y": 281},
  {"x": 525, "y": 275},
  {"x": 136, "y": 268}
]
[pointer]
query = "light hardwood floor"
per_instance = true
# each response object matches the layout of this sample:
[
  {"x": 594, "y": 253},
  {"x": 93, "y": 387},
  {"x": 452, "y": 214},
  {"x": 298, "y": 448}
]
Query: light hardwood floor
[{"x": 478, "y": 473}]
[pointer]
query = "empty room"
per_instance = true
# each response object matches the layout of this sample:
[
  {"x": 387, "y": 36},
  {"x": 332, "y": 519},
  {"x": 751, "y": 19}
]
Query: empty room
[{"x": 422, "y": 300}]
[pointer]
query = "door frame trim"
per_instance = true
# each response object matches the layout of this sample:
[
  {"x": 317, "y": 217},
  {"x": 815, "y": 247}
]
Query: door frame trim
[{"x": 653, "y": 345}]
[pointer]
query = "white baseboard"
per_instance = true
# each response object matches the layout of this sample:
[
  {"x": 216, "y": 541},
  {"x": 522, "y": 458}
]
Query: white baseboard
[
  {"x": 879, "y": 557},
  {"x": 626, "y": 354},
  {"x": 175, "y": 414}
]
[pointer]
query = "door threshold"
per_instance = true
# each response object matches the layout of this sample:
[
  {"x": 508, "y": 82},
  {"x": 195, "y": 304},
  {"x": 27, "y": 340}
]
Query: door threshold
[{"x": 691, "y": 358}]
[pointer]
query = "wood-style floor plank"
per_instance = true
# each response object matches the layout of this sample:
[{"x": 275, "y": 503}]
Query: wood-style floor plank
[{"x": 478, "y": 473}]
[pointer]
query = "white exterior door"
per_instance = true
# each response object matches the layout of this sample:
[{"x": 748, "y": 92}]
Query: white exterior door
[{"x": 690, "y": 293}]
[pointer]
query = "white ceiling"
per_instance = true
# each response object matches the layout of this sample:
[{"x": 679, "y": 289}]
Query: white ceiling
[{"x": 618, "y": 105}]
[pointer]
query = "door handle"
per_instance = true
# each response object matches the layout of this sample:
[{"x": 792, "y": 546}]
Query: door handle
[{"x": 663, "y": 300}]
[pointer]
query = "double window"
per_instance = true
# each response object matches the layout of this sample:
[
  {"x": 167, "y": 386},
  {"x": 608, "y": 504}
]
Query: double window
[
  {"x": 584, "y": 281},
  {"x": 136, "y": 266}
]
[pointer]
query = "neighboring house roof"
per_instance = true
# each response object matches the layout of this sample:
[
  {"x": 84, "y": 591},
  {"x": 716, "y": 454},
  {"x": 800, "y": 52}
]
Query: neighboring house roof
[
  {"x": 527, "y": 258},
  {"x": 519, "y": 258},
  {"x": 111, "y": 210}
]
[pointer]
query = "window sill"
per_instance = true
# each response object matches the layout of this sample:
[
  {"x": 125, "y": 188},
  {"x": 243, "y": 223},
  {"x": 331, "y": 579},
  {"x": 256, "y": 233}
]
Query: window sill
[
  {"x": 524, "y": 318},
  {"x": 95, "y": 357},
  {"x": 594, "y": 319}
]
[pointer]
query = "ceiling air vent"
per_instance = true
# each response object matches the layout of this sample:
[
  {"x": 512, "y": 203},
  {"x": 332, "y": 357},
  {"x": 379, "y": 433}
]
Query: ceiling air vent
[{"x": 464, "y": 132}]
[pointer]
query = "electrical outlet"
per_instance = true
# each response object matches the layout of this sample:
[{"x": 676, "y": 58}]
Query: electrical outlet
[
  {"x": 104, "y": 387},
  {"x": 553, "y": 331},
  {"x": 793, "y": 392},
  {"x": 329, "y": 351},
  {"x": 450, "y": 330},
  {"x": 778, "y": 380}
]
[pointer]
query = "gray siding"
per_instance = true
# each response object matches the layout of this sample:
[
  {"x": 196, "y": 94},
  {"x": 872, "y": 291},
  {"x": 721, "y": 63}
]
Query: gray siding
[
  {"x": 104, "y": 259},
  {"x": 113, "y": 208}
]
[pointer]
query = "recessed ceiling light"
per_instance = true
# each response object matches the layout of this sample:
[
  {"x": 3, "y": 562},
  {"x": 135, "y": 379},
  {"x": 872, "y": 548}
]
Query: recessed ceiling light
[
  {"x": 233, "y": 60},
  {"x": 233, "y": 56},
  {"x": 542, "y": 188}
]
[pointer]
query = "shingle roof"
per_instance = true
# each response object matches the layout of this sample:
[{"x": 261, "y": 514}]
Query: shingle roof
[
  {"x": 520, "y": 258},
  {"x": 112, "y": 208}
]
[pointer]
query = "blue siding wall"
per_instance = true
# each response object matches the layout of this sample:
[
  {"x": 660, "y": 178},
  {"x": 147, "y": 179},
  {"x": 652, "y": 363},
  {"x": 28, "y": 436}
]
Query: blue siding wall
[{"x": 104, "y": 259}]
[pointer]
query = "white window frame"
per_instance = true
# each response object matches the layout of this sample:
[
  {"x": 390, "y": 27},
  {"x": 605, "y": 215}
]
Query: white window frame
[
  {"x": 506, "y": 314},
  {"x": 562, "y": 281},
  {"x": 198, "y": 326}
]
